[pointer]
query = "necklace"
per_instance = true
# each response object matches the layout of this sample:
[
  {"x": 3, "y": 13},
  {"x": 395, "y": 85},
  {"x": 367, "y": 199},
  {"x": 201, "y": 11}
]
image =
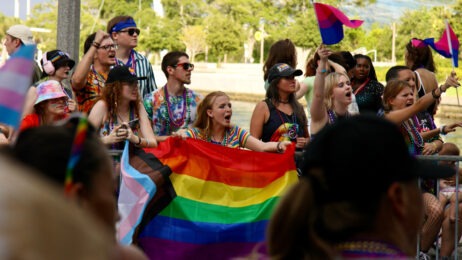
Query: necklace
[
  {"x": 415, "y": 138},
  {"x": 185, "y": 114},
  {"x": 283, "y": 101},
  {"x": 333, "y": 116},
  {"x": 223, "y": 142},
  {"x": 369, "y": 249},
  {"x": 292, "y": 130}
]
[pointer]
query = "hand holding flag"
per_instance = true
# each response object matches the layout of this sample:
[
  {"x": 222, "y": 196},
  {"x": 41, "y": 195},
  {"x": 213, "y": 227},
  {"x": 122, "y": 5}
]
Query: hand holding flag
[
  {"x": 447, "y": 45},
  {"x": 330, "y": 21}
]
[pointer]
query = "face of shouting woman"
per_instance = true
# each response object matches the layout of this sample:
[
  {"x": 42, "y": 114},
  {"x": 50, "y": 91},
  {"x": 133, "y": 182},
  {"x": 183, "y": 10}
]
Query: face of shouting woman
[{"x": 221, "y": 111}]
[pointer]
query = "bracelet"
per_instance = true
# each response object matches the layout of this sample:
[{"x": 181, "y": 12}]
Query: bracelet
[
  {"x": 278, "y": 147},
  {"x": 434, "y": 93},
  {"x": 322, "y": 71},
  {"x": 442, "y": 130},
  {"x": 139, "y": 142},
  {"x": 441, "y": 88},
  {"x": 95, "y": 44}
]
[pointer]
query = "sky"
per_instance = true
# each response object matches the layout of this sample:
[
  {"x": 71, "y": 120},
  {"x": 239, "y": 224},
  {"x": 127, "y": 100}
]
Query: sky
[{"x": 384, "y": 11}]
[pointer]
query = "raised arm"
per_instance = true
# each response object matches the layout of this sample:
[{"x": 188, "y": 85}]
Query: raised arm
[
  {"x": 422, "y": 103},
  {"x": 318, "y": 109},
  {"x": 83, "y": 67}
]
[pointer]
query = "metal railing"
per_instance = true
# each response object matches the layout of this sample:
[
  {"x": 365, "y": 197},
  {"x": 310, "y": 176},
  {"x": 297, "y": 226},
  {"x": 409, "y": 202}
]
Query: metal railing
[{"x": 455, "y": 159}]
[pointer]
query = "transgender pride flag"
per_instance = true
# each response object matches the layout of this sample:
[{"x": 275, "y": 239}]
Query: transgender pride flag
[
  {"x": 15, "y": 79},
  {"x": 447, "y": 46},
  {"x": 330, "y": 21}
]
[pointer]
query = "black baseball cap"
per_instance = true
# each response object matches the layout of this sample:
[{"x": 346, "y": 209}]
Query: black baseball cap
[
  {"x": 360, "y": 157},
  {"x": 122, "y": 73},
  {"x": 282, "y": 70}
]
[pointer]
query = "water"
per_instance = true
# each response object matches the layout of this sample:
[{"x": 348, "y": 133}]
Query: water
[{"x": 242, "y": 112}]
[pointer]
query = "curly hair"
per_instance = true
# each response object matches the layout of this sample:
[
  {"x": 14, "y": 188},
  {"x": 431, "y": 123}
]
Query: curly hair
[{"x": 112, "y": 96}]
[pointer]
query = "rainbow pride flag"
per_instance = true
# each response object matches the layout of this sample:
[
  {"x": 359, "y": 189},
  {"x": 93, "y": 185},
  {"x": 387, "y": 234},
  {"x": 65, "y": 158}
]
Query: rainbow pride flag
[
  {"x": 225, "y": 198},
  {"x": 447, "y": 45},
  {"x": 15, "y": 79},
  {"x": 331, "y": 21}
]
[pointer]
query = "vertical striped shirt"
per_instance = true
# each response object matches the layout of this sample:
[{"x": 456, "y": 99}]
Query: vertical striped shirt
[{"x": 143, "y": 68}]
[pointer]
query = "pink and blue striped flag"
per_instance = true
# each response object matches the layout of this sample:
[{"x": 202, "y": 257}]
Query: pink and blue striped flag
[
  {"x": 330, "y": 21},
  {"x": 15, "y": 79},
  {"x": 447, "y": 45}
]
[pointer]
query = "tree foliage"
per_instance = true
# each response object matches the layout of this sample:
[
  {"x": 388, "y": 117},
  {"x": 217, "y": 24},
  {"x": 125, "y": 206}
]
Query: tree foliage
[{"x": 219, "y": 29}]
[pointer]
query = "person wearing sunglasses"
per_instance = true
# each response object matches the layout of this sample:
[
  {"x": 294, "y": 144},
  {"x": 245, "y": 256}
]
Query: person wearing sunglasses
[
  {"x": 90, "y": 74},
  {"x": 124, "y": 32},
  {"x": 49, "y": 107},
  {"x": 173, "y": 106}
]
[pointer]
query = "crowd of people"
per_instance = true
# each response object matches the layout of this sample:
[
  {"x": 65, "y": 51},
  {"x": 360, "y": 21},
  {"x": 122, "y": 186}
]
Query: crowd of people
[{"x": 331, "y": 212}]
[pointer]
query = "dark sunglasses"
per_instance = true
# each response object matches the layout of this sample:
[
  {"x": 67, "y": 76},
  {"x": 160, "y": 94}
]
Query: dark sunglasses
[
  {"x": 132, "y": 31},
  {"x": 186, "y": 65}
]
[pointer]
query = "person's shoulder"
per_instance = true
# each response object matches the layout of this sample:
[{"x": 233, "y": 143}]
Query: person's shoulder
[{"x": 140, "y": 56}]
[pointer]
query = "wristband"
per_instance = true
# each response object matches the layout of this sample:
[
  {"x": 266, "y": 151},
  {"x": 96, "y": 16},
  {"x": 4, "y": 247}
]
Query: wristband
[
  {"x": 322, "y": 71},
  {"x": 442, "y": 130},
  {"x": 434, "y": 93},
  {"x": 278, "y": 147}
]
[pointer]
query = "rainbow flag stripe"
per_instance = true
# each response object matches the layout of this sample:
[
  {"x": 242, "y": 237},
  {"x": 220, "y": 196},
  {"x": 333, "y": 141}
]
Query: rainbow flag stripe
[
  {"x": 225, "y": 198},
  {"x": 15, "y": 80}
]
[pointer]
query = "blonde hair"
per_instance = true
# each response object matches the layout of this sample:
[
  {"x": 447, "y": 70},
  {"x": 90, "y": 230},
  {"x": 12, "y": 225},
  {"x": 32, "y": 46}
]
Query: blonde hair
[{"x": 330, "y": 82}]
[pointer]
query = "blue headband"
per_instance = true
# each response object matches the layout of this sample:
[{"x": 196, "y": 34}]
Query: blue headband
[{"x": 122, "y": 25}]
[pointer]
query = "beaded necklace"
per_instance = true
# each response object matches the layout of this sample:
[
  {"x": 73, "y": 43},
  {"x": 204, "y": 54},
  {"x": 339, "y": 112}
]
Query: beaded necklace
[
  {"x": 131, "y": 62},
  {"x": 223, "y": 142},
  {"x": 333, "y": 116},
  {"x": 414, "y": 137},
  {"x": 185, "y": 117},
  {"x": 293, "y": 131},
  {"x": 100, "y": 80},
  {"x": 114, "y": 121},
  {"x": 370, "y": 249}
]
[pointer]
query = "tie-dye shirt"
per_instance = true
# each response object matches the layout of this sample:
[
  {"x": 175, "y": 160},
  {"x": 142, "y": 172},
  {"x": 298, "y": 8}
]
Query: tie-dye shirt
[
  {"x": 156, "y": 107},
  {"x": 91, "y": 92},
  {"x": 235, "y": 136}
]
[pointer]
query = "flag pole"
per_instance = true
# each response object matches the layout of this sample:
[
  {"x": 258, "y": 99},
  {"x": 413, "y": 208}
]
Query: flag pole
[
  {"x": 317, "y": 19},
  {"x": 448, "y": 36}
]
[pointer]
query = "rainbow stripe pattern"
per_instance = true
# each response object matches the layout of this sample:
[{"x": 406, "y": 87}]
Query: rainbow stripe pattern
[
  {"x": 15, "y": 79},
  {"x": 447, "y": 45},
  {"x": 225, "y": 197},
  {"x": 76, "y": 152},
  {"x": 330, "y": 21}
]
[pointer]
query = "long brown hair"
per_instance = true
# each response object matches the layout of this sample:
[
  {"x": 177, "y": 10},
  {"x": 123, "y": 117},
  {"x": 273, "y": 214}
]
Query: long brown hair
[
  {"x": 420, "y": 57},
  {"x": 203, "y": 121},
  {"x": 112, "y": 94},
  {"x": 282, "y": 51}
]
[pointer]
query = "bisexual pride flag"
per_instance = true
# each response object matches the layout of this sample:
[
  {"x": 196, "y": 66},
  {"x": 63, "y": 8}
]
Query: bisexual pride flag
[
  {"x": 225, "y": 197},
  {"x": 447, "y": 45},
  {"x": 15, "y": 80},
  {"x": 330, "y": 21}
]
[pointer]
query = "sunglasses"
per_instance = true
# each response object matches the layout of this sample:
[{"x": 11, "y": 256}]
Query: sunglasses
[
  {"x": 186, "y": 65},
  {"x": 109, "y": 47},
  {"x": 132, "y": 31}
]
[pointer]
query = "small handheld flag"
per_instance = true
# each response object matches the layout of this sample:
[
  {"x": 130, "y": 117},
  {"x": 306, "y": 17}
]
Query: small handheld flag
[
  {"x": 15, "y": 79},
  {"x": 447, "y": 45},
  {"x": 330, "y": 21}
]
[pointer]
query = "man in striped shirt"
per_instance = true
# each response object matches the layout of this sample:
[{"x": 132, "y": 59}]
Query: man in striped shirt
[{"x": 125, "y": 34}]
